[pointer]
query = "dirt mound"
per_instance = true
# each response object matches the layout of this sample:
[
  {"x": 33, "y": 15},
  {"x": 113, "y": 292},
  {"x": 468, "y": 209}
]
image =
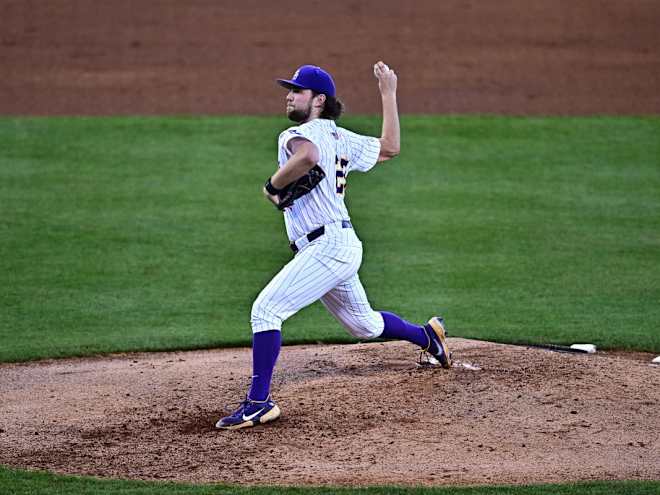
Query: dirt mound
[{"x": 354, "y": 414}]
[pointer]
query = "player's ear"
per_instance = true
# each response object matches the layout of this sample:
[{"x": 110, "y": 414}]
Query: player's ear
[{"x": 319, "y": 100}]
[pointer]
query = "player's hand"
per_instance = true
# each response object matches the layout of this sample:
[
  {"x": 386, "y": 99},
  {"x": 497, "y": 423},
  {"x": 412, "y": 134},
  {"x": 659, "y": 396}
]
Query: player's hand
[
  {"x": 272, "y": 198},
  {"x": 386, "y": 78}
]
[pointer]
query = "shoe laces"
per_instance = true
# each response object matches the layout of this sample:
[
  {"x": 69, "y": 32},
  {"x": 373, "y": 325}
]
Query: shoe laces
[
  {"x": 235, "y": 407},
  {"x": 427, "y": 349},
  {"x": 240, "y": 405}
]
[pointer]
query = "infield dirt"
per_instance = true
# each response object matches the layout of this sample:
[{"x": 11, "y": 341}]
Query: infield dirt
[
  {"x": 352, "y": 415},
  {"x": 514, "y": 57}
]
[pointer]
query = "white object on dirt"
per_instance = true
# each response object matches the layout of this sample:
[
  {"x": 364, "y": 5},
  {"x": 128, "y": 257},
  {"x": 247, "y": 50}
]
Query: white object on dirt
[
  {"x": 433, "y": 360},
  {"x": 467, "y": 366},
  {"x": 656, "y": 360},
  {"x": 590, "y": 348}
]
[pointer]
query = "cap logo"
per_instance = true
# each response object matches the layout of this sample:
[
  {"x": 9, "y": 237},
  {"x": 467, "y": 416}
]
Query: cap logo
[{"x": 295, "y": 75}]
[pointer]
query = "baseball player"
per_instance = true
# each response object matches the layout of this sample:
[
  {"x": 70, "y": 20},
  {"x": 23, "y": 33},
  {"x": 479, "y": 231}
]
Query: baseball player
[{"x": 327, "y": 252}]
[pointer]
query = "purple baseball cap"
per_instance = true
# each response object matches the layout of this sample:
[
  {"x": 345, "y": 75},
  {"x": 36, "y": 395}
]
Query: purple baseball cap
[{"x": 310, "y": 77}]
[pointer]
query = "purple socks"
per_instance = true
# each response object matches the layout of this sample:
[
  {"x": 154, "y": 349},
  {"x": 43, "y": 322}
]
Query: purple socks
[
  {"x": 265, "y": 349},
  {"x": 400, "y": 329}
]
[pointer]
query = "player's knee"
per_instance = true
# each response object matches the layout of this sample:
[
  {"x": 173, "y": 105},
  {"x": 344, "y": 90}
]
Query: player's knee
[
  {"x": 262, "y": 318},
  {"x": 368, "y": 326}
]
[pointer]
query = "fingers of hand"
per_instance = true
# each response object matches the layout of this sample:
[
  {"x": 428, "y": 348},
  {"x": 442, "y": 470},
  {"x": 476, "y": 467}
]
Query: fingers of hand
[
  {"x": 381, "y": 65},
  {"x": 273, "y": 199},
  {"x": 382, "y": 70}
]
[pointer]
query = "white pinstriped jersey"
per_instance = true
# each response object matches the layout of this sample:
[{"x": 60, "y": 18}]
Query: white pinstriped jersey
[{"x": 340, "y": 151}]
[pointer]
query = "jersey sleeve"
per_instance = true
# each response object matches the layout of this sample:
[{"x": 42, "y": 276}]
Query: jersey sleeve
[
  {"x": 364, "y": 151},
  {"x": 293, "y": 133}
]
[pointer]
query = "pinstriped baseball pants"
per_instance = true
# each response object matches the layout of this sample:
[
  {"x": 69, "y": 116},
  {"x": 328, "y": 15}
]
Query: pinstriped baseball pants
[{"x": 324, "y": 269}]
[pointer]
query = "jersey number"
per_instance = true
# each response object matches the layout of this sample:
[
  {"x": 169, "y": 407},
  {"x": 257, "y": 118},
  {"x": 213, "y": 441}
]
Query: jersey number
[{"x": 341, "y": 164}]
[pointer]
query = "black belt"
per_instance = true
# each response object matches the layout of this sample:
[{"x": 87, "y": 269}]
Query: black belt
[{"x": 315, "y": 234}]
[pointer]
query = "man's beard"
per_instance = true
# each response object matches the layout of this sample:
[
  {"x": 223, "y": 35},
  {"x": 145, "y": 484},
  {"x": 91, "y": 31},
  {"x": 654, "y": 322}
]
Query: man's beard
[{"x": 300, "y": 115}]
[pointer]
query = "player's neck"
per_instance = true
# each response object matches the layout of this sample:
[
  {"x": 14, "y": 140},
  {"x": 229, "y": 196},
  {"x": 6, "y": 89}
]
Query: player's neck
[{"x": 314, "y": 114}]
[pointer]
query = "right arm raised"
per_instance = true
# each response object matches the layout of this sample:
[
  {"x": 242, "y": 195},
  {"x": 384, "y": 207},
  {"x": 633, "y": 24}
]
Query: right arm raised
[{"x": 390, "y": 139}]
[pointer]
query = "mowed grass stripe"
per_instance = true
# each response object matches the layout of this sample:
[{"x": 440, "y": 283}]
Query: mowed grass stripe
[
  {"x": 121, "y": 234},
  {"x": 19, "y": 482}
]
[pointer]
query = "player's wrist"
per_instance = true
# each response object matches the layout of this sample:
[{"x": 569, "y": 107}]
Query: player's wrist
[{"x": 271, "y": 189}]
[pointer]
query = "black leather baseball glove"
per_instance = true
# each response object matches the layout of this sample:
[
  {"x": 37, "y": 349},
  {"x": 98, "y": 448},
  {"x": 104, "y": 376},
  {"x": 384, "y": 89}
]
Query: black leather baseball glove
[{"x": 300, "y": 187}]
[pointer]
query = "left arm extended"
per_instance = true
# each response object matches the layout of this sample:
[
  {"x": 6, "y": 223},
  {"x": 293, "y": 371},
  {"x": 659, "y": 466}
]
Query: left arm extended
[{"x": 390, "y": 140}]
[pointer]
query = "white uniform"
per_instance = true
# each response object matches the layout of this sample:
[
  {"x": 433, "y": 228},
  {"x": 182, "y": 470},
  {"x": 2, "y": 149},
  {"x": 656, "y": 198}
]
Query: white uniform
[{"x": 325, "y": 268}]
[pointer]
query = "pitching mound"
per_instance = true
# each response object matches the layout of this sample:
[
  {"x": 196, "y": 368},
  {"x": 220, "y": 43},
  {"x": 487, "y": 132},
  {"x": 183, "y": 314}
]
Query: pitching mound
[{"x": 357, "y": 414}]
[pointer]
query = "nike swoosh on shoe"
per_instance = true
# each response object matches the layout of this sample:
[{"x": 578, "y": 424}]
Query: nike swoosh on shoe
[{"x": 251, "y": 416}]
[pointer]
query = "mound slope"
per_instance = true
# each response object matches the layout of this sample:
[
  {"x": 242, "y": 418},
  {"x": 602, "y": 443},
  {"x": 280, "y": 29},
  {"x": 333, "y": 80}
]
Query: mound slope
[{"x": 354, "y": 414}]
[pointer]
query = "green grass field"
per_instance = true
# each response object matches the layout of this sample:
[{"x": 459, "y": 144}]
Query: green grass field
[
  {"x": 151, "y": 233},
  {"x": 126, "y": 234},
  {"x": 40, "y": 483}
]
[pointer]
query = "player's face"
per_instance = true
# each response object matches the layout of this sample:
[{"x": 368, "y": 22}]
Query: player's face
[{"x": 299, "y": 104}]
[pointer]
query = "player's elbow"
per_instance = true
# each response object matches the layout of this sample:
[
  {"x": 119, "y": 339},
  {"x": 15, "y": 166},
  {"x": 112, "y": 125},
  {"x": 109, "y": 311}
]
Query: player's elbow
[
  {"x": 389, "y": 150},
  {"x": 393, "y": 151}
]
